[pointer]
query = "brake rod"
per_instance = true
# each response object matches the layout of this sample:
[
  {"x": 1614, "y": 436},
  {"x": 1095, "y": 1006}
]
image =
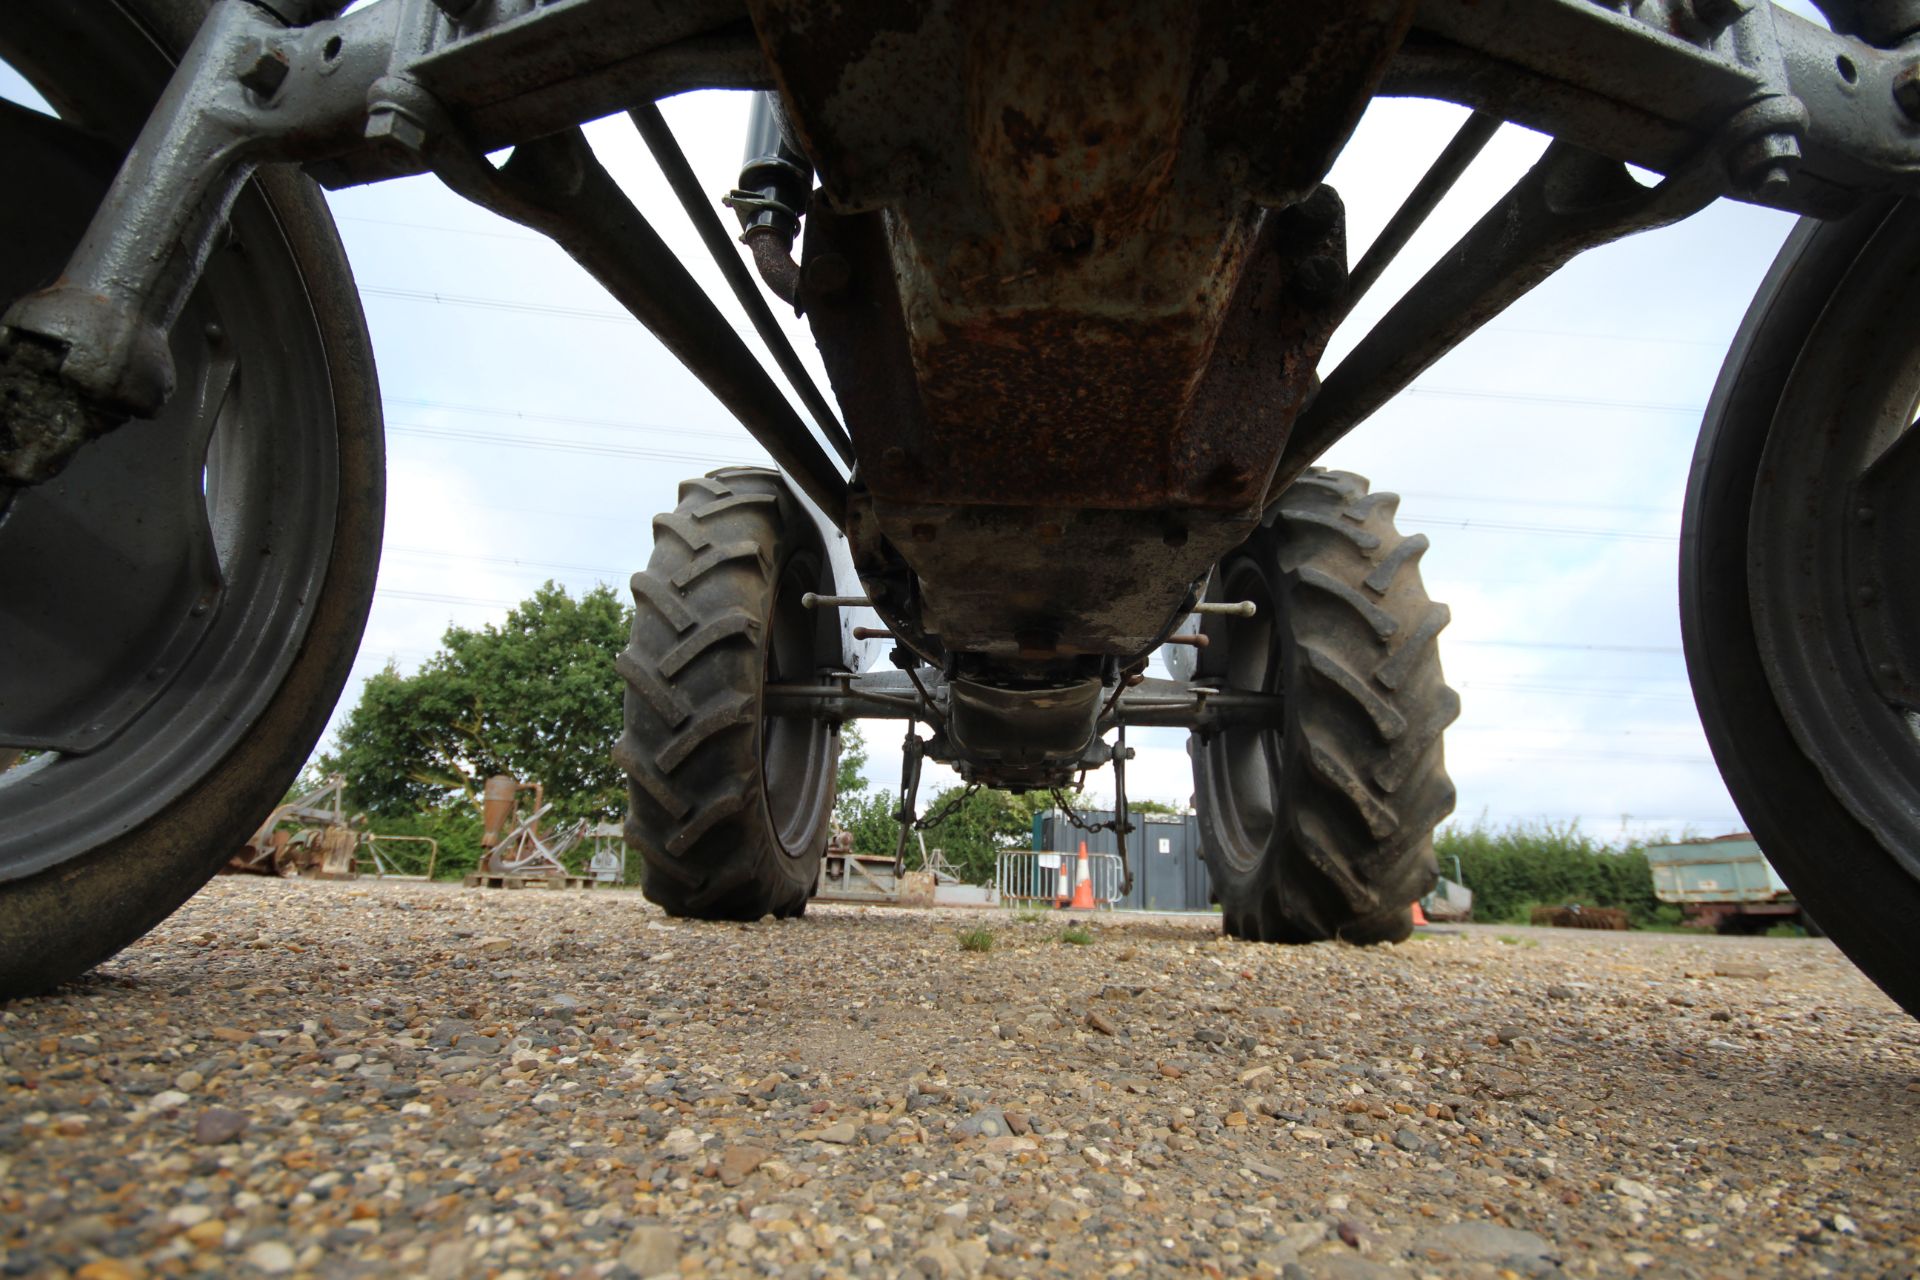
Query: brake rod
[
  {"x": 680, "y": 176},
  {"x": 554, "y": 185},
  {"x": 1460, "y": 152}
]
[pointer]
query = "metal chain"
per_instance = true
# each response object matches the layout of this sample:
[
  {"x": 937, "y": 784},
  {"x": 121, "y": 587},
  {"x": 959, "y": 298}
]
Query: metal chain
[
  {"x": 1073, "y": 816},
  {"x": 944, "y": 809}
]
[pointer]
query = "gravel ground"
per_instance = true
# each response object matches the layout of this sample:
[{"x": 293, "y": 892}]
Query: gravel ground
[{"x": 365, "y": 1079}]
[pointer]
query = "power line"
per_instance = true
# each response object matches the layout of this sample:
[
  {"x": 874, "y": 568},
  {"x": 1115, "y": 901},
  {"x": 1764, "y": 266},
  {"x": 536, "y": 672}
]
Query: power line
[
  {"x": 432, "y": 597},
  {"x": 1646, "y": 339},
  {"x": 1529, "y": 331},
  {"x": 603, "y": 316},
  {"x": 457, "y": 231},
  {"x": 512, "y": 561},
  {"x": 734, "y": 435},
  {"x": 1733, "y": 821},
  {"x": 499, "y": 304},
  {"x": 1514, "y": 731},
  {"x": 1613, "y": 694},
  {"x": 543, "y": 444},
  {"x": 1552, "y": 530},
  {"x": 1481, "y": 499},
  {"x": 521, "y": 415},
  {"x": 1524, "y": 397},
  {"x": 1638, "y": 756},
  {"x": 1570, "y": 645}
]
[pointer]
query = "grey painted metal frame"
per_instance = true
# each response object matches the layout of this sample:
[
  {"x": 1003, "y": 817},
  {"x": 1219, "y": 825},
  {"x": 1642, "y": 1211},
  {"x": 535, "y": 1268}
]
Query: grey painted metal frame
[{"x": 1725, "y": 96}]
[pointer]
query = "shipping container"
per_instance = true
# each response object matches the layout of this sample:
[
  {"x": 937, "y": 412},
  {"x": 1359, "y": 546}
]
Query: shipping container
[{"x": 1164, "y": 849}]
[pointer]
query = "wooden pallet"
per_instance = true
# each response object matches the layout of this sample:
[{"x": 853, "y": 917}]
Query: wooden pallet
[{"x": 482, "y": 880}]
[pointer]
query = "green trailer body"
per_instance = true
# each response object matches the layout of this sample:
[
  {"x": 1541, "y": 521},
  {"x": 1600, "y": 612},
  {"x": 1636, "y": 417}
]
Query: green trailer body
[{"x": 1724, "y": 882}]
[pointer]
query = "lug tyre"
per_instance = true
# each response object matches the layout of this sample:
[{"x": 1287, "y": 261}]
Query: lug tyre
[
  {"x": 1323, "y": 828},
  {"x": 728, "y": 808}
]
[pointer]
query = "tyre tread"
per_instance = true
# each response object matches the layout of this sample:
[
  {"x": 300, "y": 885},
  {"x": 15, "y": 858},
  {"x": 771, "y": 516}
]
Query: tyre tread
[
  {"x": 692, "y": 741},
  {"x": 1362, "y": 777}
]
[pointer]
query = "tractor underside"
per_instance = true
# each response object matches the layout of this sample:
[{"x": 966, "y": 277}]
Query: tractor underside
[
  {"x": 1082, "y": 272},
  {"x": 1071, "y": 271},
  {"x": 1071, "y": 268}
]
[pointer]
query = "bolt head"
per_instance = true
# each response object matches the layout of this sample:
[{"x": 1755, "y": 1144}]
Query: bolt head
[
  {"x": 387, "y": 124},
  {"x": 266, "y": 72},
  {"x": 1764, "y": 164},
  {"x": 1069, "y": 237},
  {"x": 1318, "y": 279},
  {"x": 826, "y": 275},
  {"x": 1717, "y": 15}
]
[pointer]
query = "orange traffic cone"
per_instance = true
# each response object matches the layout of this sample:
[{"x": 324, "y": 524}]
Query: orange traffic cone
[
  {"x": 1065, "y": 888},
  {"x": 1419, "y": 916},
  {"x": 1083, "y": 883}
]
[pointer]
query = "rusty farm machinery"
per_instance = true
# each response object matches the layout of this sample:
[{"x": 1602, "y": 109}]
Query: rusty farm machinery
[{"x": 1095, "y": 238}]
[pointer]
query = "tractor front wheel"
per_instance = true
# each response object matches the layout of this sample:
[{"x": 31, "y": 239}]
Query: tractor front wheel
[
  {"x": 729, "y": 808},
  {"x": 1323, "y": 828}
]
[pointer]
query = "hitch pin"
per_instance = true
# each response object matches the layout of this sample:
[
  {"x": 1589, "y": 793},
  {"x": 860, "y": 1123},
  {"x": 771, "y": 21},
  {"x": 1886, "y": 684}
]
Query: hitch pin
[
  {"x": 812, "y": 601},
  {"x": 1237, "y": 608}
]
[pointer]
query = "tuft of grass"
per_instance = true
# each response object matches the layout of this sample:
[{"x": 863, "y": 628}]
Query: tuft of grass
[
  {"x": 1785, "y": 930},
  {"x": 1512, "y": 941},
  {"x": 1029, "y": 914},
  {"x": 1077, "y": 935},
  {"x": 978, "y": 938}
]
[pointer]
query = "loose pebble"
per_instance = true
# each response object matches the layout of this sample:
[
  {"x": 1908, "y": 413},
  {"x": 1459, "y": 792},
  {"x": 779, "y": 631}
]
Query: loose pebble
[
  {"x": 217, "y": 1125},
  {"x": 324, "y": 1079}
]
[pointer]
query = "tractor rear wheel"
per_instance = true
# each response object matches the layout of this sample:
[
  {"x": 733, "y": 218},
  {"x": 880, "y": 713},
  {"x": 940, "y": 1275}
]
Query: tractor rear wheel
[
  {"x": 729, "y": 808},
  {"x": 179, "y": 609},
  {"x": 1801, "y": 628},
  {"x": 1323, "y": 829}
]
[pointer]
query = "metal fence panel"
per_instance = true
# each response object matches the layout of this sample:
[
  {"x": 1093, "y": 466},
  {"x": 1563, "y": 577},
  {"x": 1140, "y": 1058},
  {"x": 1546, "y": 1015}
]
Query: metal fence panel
[{"x": 1037, "y": 876}]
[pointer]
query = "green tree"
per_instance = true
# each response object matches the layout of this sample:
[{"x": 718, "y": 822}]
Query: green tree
[
  {"x": 972, "y": 831},
  {"x": 1153, "y": 806},
  {"x": 850, "y": 777},
  {"x": 535, "y": 696}
]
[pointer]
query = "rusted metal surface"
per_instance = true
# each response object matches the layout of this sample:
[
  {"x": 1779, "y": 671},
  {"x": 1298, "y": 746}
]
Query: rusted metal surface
[
  {"x": 1575, "y": 916},
  {"x": 1091, "y": 284},
  {"x": 1071, "y": 274},
  {"x": 522, "y": 848},
  {"x": 322, "y": 844},
  {"x": 499, "y": 796}
]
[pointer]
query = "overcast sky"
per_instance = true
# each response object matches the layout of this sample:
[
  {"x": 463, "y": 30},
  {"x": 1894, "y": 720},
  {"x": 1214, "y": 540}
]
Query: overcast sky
[{"x": 534, "y": 430}]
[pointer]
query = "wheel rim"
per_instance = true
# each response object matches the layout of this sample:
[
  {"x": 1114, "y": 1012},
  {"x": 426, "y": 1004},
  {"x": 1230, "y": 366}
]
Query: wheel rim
[
  {"x": 1243, "y": 764},
  {"x": 1831, "y": 535},
  {"x": 243, "y": 465},
  {"x": 796, "y": 752}
]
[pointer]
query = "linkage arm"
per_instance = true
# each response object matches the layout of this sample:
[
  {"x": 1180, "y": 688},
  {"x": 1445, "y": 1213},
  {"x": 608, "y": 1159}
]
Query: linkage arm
[{"x": 1570, "y": 201}]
